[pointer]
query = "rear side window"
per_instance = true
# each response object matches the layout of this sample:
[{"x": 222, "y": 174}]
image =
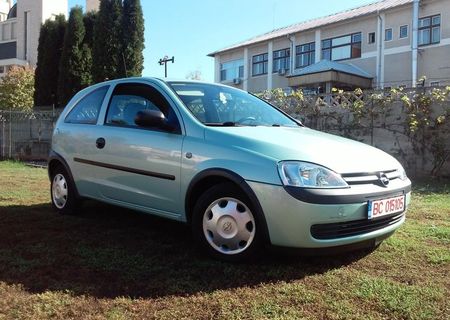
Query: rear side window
[{"x": 87, "y": 109}]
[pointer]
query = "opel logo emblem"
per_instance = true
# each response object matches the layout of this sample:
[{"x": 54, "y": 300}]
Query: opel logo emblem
[
  {"x": 384, "y": 179},
  {"x": 227, "y": 227}
]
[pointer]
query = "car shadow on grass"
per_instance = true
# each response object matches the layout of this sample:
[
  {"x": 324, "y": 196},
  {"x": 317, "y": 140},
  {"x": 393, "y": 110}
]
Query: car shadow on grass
[{"x": 106, "y": 251}]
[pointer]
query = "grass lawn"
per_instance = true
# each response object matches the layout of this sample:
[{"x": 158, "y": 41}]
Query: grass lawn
[{"x": 111, "y": 263}]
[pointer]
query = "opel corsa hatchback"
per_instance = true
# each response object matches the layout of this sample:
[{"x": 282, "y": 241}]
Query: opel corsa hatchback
[{"x": 241, "y": 172}]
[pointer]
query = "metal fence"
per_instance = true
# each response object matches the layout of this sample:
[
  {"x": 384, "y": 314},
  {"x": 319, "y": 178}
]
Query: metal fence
[{"x": 26, "y": 135}]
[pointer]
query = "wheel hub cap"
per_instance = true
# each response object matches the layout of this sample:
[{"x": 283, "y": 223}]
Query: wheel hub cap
[
  {"x": 59, "y": 191},
  {"x": 229, "y": 226}
]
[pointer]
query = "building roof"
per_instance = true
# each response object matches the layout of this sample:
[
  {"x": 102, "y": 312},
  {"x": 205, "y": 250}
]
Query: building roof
[
  {"x": 326, "y": 65},
  {"x": 319, "y": 22},
  {"x": 13, "y": 12}
]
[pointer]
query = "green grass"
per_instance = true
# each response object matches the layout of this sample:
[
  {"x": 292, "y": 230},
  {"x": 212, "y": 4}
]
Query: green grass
[{"x": 111, "y": 263}]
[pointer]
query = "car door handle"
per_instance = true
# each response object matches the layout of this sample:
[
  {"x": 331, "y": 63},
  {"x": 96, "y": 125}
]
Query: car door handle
[{"x": 100, "y": 143}]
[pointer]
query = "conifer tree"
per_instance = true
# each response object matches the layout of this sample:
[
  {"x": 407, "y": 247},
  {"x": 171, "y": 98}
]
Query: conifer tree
[
  {"x": 133, "y": 38},
  {"x": 76, "y": 60},
  {"x": 107, "y": 50},
  {"x": 49, "y": 54},
  {"x": 89, "y": 24}
]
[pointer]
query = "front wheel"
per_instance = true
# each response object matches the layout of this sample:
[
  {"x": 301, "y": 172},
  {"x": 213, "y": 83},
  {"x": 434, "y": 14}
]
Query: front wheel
[{"x": 225, "y": 224}]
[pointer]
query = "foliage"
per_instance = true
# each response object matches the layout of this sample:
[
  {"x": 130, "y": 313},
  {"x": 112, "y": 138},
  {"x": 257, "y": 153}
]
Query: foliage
[
  {"x": 76, "y": 60},
  {"x": 50, "y": 46},
  {"x": 17, "y": 89},
  {"x": 89, "y": 25},
  {"x": 133, "y": 38},
  {"x": 108, "y": 61},
  {"x": 98, "y": 46}
]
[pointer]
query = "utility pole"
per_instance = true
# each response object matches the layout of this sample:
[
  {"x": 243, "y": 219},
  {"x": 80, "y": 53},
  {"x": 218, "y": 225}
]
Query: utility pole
[{"x": 164, "y": 62}]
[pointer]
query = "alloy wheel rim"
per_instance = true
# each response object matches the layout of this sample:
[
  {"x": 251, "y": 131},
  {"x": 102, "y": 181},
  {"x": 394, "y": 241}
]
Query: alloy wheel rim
[
  {"x": 59, "y": 191},
  {"x": 229, "y": 226}
]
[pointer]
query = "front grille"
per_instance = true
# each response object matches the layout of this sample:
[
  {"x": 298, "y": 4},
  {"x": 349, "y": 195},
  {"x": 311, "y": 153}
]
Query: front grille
[
  {"x": 369, "y": 177},
  {"x": 352, "y": 228}
]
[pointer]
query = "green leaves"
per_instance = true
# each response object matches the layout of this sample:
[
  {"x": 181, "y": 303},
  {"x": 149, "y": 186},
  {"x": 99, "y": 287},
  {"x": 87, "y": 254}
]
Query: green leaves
[
  {"x": 107, "y": 50},
  {"x": 133, "y": 38},
  {"x": 49, "y": 54},
  {"x": 17, "y": 89},
  {"x": 76, "y": 60}
]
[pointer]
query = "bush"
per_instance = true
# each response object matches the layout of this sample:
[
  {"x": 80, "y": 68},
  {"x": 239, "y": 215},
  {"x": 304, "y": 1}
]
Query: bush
[{"x": 17, "y": 89}]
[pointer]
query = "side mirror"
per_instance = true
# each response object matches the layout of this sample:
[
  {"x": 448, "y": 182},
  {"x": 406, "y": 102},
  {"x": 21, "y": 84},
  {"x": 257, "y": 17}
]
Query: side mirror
[{"x": 152, "y": 119}]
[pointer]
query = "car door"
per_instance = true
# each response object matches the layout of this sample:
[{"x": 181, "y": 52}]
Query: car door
[
  {"x": 74, "y": 139},
  {"x": 140, "y": 166}
]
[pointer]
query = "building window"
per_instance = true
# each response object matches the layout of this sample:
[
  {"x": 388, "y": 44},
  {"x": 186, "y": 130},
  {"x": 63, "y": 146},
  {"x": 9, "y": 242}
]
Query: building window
[
  {"x": 435, "y": 83},
  {"x": 430, "y": 30},
  {"x": 259, "y": 64},
  {"x": 388, "y": 34},
  {"x": 281, "y": 60},
  {"x": 231, "y": 70},
  {"x": 305, "y": 55},
  {"x": 341, "y": 48},
  {"x": 403, "y": 32},
  {"x": 2, "y": 69},
  {"x": 371, "y": 37}
]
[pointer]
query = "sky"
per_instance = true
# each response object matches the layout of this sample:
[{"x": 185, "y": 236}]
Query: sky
[{"x": 191, "y": 29}]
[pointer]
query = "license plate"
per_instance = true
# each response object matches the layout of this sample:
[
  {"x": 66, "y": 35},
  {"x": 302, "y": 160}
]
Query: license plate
[{"x": 384, "y": 207}]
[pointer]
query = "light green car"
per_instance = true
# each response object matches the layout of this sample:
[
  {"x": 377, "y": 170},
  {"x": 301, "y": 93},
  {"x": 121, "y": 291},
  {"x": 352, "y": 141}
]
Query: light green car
[{"x": 241, "y": 172}]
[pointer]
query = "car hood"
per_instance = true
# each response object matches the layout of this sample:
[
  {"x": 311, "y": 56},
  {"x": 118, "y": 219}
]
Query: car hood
[{"x": 285, "y": 143}]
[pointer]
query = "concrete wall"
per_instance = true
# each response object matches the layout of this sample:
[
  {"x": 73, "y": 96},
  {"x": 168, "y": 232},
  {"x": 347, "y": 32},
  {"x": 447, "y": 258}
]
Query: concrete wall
[
  {"x": 92, "y": 5},
  {"x": 397, "y": 70},
  {"x": 4, "y": 9},
  {"x": 37, "y": 12},
  {"x": 435, "y": 64}
]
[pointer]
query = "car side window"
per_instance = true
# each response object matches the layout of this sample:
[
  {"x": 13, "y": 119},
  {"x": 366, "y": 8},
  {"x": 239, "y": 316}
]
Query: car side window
[
  {"x": 130, "y": 98},
  {"x": 87, "y": 109}
]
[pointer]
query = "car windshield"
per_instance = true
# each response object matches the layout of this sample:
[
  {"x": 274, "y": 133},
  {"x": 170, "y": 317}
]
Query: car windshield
[{"x": 216, "y": 105}]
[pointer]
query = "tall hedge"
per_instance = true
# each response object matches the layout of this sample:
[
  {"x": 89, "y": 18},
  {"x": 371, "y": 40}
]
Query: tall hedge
[
  {"x": 50, "y": 46},
  {"x": 107, "y": 50},
  {"x": 133, "y": 37},
  {"x": 89, "y": 24},
  {"x": 76, "y": 60}
]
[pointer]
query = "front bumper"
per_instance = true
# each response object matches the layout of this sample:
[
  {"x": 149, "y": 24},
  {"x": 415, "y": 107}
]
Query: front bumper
[{"x": 289, "y": 220}]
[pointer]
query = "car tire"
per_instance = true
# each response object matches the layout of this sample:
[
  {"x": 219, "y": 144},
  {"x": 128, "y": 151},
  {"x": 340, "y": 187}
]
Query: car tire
[
  {"x": 226, "y": 225},
  {"x": 62, "y": 192}
]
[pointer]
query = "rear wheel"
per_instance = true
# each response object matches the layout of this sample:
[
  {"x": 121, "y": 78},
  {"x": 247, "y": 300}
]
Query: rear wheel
[
  {"x": 225, "y": 224},
  {"x": 62, "y": 192}
]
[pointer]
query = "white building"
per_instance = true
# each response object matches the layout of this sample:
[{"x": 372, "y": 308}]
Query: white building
[
  {"x": 383, "y": 44},
  {"x": 92, "y": 5},
  {"x": 20, "y": 25}
]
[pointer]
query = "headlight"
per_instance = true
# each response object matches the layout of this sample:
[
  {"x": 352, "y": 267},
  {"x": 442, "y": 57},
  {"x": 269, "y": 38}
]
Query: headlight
[{"x": 309, "y": 175}]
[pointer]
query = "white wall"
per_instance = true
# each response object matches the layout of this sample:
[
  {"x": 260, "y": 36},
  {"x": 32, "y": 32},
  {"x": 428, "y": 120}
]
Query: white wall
[
  {"x": 92, "y": 5},
  {"x": 38, "y": 12}
]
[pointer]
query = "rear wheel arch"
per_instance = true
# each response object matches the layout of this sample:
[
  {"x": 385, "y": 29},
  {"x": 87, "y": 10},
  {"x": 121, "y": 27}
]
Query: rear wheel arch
[
  {"x": 205, "y": 180},
  {"x": 55, "y": 161}
]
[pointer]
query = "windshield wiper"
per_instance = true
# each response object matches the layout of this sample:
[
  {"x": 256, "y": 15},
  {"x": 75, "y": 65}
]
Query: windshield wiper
[{"x": 221, "y": 124}]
